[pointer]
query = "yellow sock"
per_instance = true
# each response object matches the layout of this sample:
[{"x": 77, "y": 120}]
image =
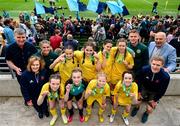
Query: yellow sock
[
  {"x": 88, "y": 110},
  {"x": 100, "y": 112},
  {"x": 125, "y": 114},
  {"x": 113, "y": 111},
  {"x": 63, "y": 111},
  {"x": 53, "y": 112}
]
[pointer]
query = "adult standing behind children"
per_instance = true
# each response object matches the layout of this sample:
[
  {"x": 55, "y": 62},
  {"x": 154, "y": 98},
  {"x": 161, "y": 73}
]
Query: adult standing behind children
[
  {"x": 141, "y": 51},
  {"x": 18, "y": 53},
  {"x": 161, "y": 48},
  {"x": 47, "y": 54}
]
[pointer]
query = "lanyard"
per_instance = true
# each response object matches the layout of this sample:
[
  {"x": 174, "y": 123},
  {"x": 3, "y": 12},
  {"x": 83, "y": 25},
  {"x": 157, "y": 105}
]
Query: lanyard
[{"x": 126, "y": 89}]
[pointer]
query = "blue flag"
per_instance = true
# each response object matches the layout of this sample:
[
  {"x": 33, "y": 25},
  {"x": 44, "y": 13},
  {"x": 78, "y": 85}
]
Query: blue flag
[
  {"x": 73, "y": 5},
  {"x": 120, "y": 3},
  {"x": 125, "y": 10},
  {"x": 114, "y": 7},
  {"x": 82, "y": 6},
  {"x": 39, "y": 8},
  {"x": 101, "y": 7},
  {"x": 93, "y": 5}
]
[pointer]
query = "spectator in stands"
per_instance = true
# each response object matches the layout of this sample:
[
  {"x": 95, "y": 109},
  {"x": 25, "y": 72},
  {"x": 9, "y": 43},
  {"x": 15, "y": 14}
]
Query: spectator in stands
[
  {"x": 47, "y": 54},
  {"x": 33, "y": 19},
  {"x": 32, "y": 81},
  {"x": 100, "y": 34},
  {"x": 159, "y": 27},
  {"x": 175, "y": 42},
  {"x": 68, "y": 28},
  {"x": 170, "y": 34},
  {"x": 8, "y": 32},
  {"x": 141, "y": 51},
  {"x": 56, "y": 40},
  {"x": 18, "y": 53},
  {"x": 161, "y": 48},
  {"x": 2, "y": 40},
  {"x": 152, "y": 85},
  {"x": 70, "y": 41}
]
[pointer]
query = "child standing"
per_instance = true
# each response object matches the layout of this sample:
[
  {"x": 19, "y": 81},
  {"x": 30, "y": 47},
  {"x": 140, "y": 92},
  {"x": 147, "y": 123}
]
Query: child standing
[
  {"x": 53, "y": 91},
  {"x": 75, "y": 87},
  {"x": 122, "y": 61},
  {"x": 65, "y": 64},
  {"x": 88, "y": 61},
  {"x": 97, "y": 90},
  {"x": 105, "y": 59},
  {"x": 125, "y": 93}
]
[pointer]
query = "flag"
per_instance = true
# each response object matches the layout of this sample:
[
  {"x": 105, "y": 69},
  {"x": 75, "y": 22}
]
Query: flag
[
  {"x": 114, "y": 7},
  {"x": 73, "y": 5},
  {"x": 101, "y": 7},
  {"x": 125, "y": 10},
  {"x": 39, "y": 8},
  {"x": 93, "y": 5},
  {"x": 82, "y": 6},
  {"x": 49, "y": 9}
]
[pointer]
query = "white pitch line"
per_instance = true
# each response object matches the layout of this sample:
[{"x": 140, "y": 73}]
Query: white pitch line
[{"x": 152, "y": 3}]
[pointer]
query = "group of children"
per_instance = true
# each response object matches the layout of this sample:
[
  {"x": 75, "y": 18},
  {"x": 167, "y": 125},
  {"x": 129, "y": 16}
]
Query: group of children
[{"x": 87, "y": 76}]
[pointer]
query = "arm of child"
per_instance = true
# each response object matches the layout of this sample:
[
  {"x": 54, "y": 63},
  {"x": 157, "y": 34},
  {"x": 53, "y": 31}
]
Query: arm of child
[
  {"x": 41, "y": 97},
  {"x": 68, "y": 88},
  {"x": 98, "y": 63},
  {"x": 88, "y": 93},
  {"x": 59, "y": 59}
]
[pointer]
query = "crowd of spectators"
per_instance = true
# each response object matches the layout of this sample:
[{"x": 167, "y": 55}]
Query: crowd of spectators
[{"x": 60, "y": 31}]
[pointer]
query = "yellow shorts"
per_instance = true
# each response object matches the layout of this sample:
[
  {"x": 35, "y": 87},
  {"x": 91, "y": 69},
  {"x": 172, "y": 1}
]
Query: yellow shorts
[{"x": 91, "y": 99}]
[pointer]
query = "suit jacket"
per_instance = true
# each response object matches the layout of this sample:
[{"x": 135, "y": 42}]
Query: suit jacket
[{"x": 167, "y": 52}]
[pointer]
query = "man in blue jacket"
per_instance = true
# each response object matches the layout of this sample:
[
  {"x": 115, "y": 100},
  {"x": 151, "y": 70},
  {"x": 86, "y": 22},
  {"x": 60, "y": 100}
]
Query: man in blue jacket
[
  {"x": 152, "y": 85},
  {"x": 161, "y": 48}
]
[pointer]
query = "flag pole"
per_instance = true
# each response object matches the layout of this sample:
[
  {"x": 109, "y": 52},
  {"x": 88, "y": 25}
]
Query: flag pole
[{"x": 77, "y": 15}]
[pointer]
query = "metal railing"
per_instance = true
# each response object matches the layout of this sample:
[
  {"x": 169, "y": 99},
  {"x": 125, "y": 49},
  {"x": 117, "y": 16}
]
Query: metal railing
[{"x": 5, "y": 69}]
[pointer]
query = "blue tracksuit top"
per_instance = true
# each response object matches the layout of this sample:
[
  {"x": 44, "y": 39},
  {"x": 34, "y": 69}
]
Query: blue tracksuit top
[
  {"x": 31, "y": 84},
  {"x": 153, "y": 82}
]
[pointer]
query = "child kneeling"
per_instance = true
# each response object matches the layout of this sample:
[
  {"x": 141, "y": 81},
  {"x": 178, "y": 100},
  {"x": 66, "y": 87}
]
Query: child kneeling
[
  {"x": 97, "y": 90},
  {"x": 54, "y": 93},
  {"x": 125, "y": 93}
]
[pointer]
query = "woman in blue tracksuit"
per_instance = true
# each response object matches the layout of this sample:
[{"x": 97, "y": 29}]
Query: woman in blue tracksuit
[{"x": 32, "y": 80}]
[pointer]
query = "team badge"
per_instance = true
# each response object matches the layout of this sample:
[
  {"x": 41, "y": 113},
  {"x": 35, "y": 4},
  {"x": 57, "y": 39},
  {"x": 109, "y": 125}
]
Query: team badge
[{"x": 138, "y": 51}]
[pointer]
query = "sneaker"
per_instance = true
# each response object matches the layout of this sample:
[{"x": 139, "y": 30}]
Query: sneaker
[
  {"x": 125, "y": 121},
  {"x": 144, "y": 117},
  {"x": 64, "y": 118},
  {"x": 101, "y": 118},
  {"x": 87, "y": 118},
  {"x": 134, "y": 111},
  {"x": 112, "y": 118},
  {"x": 70, "y": 118},
  {"x": 40, "y": 115},
  {"x": 74, "y": 105},
  {"x": 53, "y": 120},
  {"x": 81, "y": 118}
]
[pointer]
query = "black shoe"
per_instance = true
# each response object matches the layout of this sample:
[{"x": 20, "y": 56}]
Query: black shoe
[
  {"x": 25, "y": 103},
  {"x": 47, "y": 113},
  {"x": 144, "y": 117},
  {"x": 40, "y": 115},
  {"x": 134, "y": 111}
]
